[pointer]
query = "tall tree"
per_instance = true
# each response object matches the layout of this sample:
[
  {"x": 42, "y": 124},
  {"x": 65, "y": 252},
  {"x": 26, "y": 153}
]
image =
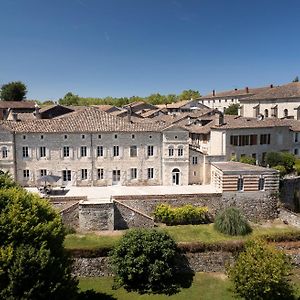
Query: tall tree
[
  {"x": 188, "y": 95},
  {"x": 296, "y": 79},
  {"x": 69, "y": 99},
  {"x": 13, "y": 91}
]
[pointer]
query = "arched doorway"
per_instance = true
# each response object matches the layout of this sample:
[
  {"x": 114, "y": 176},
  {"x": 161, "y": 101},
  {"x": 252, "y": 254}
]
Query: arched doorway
[{"x": 175, "y": 176}]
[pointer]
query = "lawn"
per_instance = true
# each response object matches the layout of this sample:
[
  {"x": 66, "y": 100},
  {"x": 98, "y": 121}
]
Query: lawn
[
  {"x": 184, "y": 233},
  {"x": 205, "y": 286}
]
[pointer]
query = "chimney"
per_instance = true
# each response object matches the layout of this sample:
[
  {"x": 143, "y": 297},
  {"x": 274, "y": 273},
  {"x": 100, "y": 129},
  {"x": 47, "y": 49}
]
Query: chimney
[
  {"x": 129, "y": 113},
  {"x": 220, "y": 119},
  {"x": 247, "y": 90},
  {"x": 271, "y": 86},
  {"x": 235, "y": 89},
  {"x": 214, "y": 93},
  {"x": 37, "y": 111}
]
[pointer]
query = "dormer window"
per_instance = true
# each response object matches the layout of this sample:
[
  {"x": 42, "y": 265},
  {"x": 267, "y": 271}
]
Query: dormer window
[
  {"x": 65, "y": 137},
  {"x": 83, "y": 136}
]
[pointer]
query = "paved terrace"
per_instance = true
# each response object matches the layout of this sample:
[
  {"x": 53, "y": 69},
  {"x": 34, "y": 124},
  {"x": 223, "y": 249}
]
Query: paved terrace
[{"x": 104, "y": 194}]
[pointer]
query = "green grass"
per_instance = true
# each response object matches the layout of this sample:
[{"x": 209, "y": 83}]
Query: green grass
[
  {"x": 182, "y": 233},
  {"x": 205, "y": 286}
]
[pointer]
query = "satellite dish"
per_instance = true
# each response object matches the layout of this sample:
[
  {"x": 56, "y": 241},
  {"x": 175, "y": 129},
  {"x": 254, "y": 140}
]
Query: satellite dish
[{"x": 260, "y": 117}]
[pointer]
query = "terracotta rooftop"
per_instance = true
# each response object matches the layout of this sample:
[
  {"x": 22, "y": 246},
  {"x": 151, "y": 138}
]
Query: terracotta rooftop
[
  {"x": 290, "y": 90},
  {"x": 86, "y": 120},
  {"x": 17, "y": 104},
  {"x": 178, "y": 104}
]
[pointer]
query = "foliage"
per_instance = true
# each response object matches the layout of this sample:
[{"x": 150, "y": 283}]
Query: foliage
[
  {"x": 297, "y": 167},
  {"x": 285, "y": 159},
  {"x": 33, "y": 262},
  {"x": 187, "y": 214},
  {"x": 232, "y": 109},
  {"x": 188, "y": 95},
  {"x": 232, "y": 222},
  {"x": 144, "y": 261},
  {"x": 248, "y": 160},
  {"x": 70, "y": 99},
  {"x": 13, "y": 91},
  {"x": 6, "y": 181},
  {"x": 260, "y": 272},
  {"x": 296, "y": 79},
  {"x": 281, "y": 169}
]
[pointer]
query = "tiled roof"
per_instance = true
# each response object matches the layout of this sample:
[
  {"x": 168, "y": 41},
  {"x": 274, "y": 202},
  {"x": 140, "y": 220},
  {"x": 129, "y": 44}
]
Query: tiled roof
[
  {"x": 178, "y": 104},
  {"x": 17, "y": 104},
  {"x": 236, "y": 92},
  {"x": 290, "y": 90},
  {"x": 86, "y": 120}
]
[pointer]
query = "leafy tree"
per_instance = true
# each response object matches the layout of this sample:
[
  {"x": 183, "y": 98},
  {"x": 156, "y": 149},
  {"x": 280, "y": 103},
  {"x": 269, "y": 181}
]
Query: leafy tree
[
  {"x": 13, "y": 91},
  {"x": 33, "y": 262},
  {"x": 285, "y": 159},
  {"x": 232, "y": 109},
  {"x": 281, "y": 169},
  {"x": 144, "y": 261},
  {"x": 261, "y": 272},
  {"x": 69, "y": 99},
  {"x": 248, "y": 160},
  {"x": 288, "y": 160},
  {"x": 232, "y": 222},
  {"x": 188, "y": 95},
  {"x": 6, "y": 181},
  {"x": 296, "y": 79}
]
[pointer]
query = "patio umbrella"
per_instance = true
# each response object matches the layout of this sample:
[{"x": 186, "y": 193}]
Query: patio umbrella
[{"x": 49, "y": 179}]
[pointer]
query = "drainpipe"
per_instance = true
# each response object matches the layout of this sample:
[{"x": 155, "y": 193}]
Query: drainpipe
[{"x": 15, "y": 156}]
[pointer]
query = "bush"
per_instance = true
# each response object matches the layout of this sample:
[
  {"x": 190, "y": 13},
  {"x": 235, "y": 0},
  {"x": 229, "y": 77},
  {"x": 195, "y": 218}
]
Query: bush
[
  {"x": 33, "y": 261},
  {"x": 144, "y": 261},
  {"x": 297, "y": 169},
  {"x": 187, "y": 214},
  {"x": 261, "y": 272},
  {"x": 232, "y": 222},
  {"x": 6, "y": 181},
  {"x": 274, "y": 159},
  {"x": 281, "y": 169},
  {"x": 248, "y": 160},
  {"x": 281, "y": 159},
  {"x": 288, "y": 160}
]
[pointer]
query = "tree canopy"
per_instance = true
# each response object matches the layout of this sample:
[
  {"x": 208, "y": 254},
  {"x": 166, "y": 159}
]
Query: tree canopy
[
  {"x": 13, "y": 91},
  {"x": 33, "y": 262},
  {"x": 232, "y": 109}
]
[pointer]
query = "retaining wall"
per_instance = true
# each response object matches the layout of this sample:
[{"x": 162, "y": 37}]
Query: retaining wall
[{"x": 289, "y": 217}]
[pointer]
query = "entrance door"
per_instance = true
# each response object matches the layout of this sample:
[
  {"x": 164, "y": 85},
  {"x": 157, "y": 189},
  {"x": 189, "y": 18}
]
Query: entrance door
[
  {"x": 175, "y": 176},
  {"x": 116, "y": 177}
]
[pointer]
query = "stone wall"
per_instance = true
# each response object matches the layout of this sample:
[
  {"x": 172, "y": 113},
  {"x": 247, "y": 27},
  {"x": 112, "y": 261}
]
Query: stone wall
[
  {"x": 96, "y": 216},
  {"x": 290, "y": 193},
  {"x": 289, "y": 217},
  {"x": 126, "y": 217},
  {"x": 70, "y": 216},
  {"x": 255, "y": 205}
]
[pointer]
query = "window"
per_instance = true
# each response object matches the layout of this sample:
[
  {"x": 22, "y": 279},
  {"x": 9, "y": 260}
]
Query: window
[
  {"x": 240, "y": 184},
  {"x": 150, "y": 136},
  {"x": 194, "y": 160},
  {"x": 150, "y": 173},
  {"x": 265, "y": 139},
  {"x": 133, "y": 173},
  {"x": 66, "y": 151},
  {"x": 83, "y": 151},
  {"x": 66, "y": 175},
  {"x": 296, "y": 151},
  {"x": 243, "y": 140},
  {"x": 254, "y": 155},
  {"x": 171, "y": 151},
  {"x": 24, "y": 137},
  {"x": 26, "y": 174},
  {"x": 25, "y": 152},
  {"x": 195, "y": 173},
  {"x": 266, "y": 113},
  {"x": 84, "y": 174},
  {"x": 42, "y": 151},
  {"x": 99, "y": 150},
  {"x": 116, "y": 136},
  {"x": 43, "y": 172},
  {"x": 296, "y": 137},
  {"x": 261, "y": 183},
  {"x": 133, "y": 136},
  {"x": 99, "y": 136},
  {"x": 285, "y": 113},
  {"x": 274, "y": 111},
  {"x": 65, "y": 137},
  {"x": 150, "y": 150},
  {"x": 42, "y": 137},
  {"x": 100, "y": 174},
  {"x": 116, "y": 151},
  {"x": 175, "y": 137},
  {"x": 180, "y": 151},
  {"x": 116, "y": 175},
  {"x": 4, "y": 152},
  {"x": 133, "y": 151},
  {"x": 83, "y": 136}
]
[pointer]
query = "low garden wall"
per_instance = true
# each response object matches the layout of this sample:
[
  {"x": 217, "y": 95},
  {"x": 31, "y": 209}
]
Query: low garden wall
[{"x": 289, "y": 217}]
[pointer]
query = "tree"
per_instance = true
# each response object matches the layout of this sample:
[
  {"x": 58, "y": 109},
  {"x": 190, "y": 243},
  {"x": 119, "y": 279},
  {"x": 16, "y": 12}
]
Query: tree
[
  {"x": 284, "y": 159},
  {"x": 6, "y": 181},
  {"x": 232, "y": 222},
  {"x": 296, "y": 79},
  {"x": 232, "y": 109},
  {"x": 144, "y": 261},
  {"x": 13, "y": 91},
  {"x": 248, "y": 160},
  {"x": 188, "y": 95},
  {"x": 33, "y": 261},
  {"x": 69, "y": 99},
  {"x": 261, "y": 272}
]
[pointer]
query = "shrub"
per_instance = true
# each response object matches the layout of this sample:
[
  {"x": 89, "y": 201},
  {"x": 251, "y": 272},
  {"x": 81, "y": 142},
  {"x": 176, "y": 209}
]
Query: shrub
[
  {"x": 281, "y": 169},
  {"x": 187, "y": 214},
  {"x": 232, "y": 222},
  {"x": 274, "y": 159},
  {"x": 261, "y": 272},
  {"x": 288, "y": 160},
  {"x": 281, "y": 159},
  {"x": 248, "y": 160},
  {"x": 144, "y": 261},
  {"x": 297, "y": 169}
]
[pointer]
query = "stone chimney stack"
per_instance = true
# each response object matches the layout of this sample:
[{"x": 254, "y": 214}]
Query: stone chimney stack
[
  {"x": 219, "y": 121},
  {"x": 214, "y": 93},
  {"x": 37, "y": 111},
  {"x": 247, "y": 90}
]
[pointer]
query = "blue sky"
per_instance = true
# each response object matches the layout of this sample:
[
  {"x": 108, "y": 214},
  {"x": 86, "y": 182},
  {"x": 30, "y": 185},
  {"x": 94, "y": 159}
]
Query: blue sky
[{"x": 98, "y": 48}]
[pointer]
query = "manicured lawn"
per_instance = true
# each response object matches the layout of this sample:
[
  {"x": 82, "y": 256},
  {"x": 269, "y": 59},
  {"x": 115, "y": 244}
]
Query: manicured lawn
[
  {"x": 205, "y": 286},
  {"x": 184, "y": 233}
]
